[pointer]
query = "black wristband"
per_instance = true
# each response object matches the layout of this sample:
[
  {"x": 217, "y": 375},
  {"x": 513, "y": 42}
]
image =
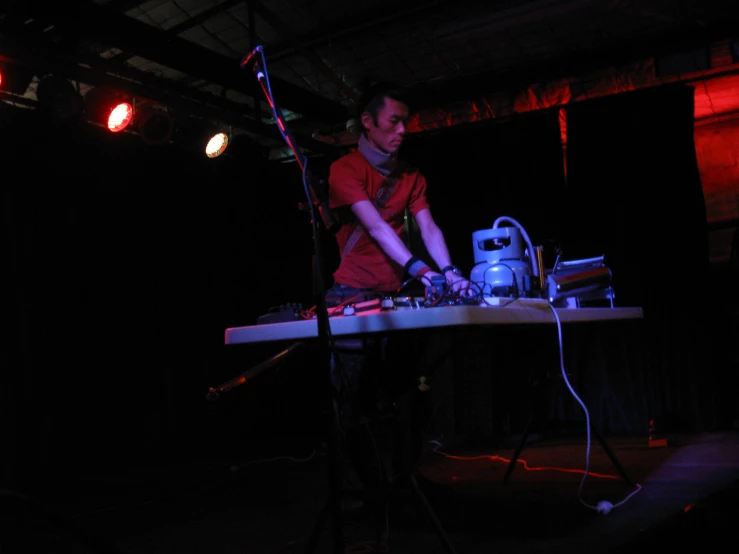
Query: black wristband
[
  {"x": 453, "y": 268},
  {"x": 409, "y": 263},
  {"x": 416, "y": 267}
]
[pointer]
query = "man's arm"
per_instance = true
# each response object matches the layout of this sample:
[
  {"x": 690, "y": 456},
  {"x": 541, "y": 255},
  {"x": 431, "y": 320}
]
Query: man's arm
[
  {"x": 381, "y": 232},
  {"x": 436, "y": 246},
  {"x": 389, "y": 241},
  {"x": 433, "y": 238}
]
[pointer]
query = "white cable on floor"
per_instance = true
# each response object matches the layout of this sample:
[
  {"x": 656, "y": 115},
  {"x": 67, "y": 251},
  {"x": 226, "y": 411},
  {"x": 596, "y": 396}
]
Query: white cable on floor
[{"x": 603, "y": 507}]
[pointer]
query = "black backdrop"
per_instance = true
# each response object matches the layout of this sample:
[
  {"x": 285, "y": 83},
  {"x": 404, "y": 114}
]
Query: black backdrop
[
  {"x": 127, "y": 262},
  {"x": 477, "y": 173},
  {"x": 635, "y": 195}
]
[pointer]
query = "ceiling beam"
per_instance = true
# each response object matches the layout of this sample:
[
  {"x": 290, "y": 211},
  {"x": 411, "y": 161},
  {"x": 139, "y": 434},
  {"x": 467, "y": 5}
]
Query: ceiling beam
[
  {"x": 45, "y": 62},
  {"x": 88, "y": 20}
]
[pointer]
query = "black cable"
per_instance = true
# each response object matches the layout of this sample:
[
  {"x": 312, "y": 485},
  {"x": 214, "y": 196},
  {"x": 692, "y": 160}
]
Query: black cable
[
  {"x": 513, "y": 273},
  {"x": 326, "y": 341}
]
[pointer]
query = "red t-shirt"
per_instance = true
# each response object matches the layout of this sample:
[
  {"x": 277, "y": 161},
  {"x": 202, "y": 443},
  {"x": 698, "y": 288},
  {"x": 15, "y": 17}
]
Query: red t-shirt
[{"x": 352, "y": 179}]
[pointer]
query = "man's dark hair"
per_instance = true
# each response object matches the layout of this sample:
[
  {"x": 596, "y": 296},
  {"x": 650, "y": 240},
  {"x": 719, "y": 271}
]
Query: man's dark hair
[{"x": 373, "y": 98}]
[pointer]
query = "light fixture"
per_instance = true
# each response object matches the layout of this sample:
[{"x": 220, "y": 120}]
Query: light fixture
[
  {"x": 154, "y": 124},
  {"x": 216, "y": 145},
  {"x": 203, "y": 136},
  {"x": 108, "y": 109},
  {"x": 58, "y": 98}
]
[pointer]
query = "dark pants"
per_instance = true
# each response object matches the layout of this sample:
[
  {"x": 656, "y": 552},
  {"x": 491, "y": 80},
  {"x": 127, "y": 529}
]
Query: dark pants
[
  {"x": 358, "y": 366},
  {"x": 375, "y": 379}
]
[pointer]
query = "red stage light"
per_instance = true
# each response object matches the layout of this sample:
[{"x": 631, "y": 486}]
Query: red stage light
[
  {"x": 108, "y": 109},
  {"x": 120, "y": 116}
]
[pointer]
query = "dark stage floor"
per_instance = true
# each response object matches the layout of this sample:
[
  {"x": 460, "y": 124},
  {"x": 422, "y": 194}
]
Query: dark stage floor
[{"x": 689, "y": 498}]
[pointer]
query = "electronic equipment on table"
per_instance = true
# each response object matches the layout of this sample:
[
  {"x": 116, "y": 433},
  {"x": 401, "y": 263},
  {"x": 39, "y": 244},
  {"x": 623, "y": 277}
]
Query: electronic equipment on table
[
  {"x": 508, "y": 265},
  {"x": 579, "y": 281},
  {"x": 508, "y": 272}
]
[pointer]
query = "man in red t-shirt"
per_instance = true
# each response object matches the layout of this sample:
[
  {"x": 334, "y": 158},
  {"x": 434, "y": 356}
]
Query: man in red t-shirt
[
  {"x": 371, "y": 190},
  {"x": 374, "y": 188}
]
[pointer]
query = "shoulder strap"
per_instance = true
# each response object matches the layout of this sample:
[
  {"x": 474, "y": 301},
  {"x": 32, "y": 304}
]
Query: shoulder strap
[
  {"x": 353, "y": 238},
  {"x": 383, "y": 193}
]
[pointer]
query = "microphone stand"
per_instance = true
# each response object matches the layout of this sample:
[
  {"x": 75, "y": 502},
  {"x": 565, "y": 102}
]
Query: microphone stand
[
  {"x": 325, "y": 342},
  {"x": 214, "y": 393}
]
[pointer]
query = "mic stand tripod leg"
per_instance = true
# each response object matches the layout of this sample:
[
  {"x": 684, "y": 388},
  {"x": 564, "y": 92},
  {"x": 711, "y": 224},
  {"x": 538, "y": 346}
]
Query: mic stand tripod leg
[
  {"x": 445, "y": 542},
  {"x": 332, "y": 507}
]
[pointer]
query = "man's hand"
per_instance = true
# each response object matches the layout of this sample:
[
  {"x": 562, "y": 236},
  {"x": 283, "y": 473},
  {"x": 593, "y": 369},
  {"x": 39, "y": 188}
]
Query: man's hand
[
  {"x": 456, "y": 283},
  {"x": 428, "y": 277}
]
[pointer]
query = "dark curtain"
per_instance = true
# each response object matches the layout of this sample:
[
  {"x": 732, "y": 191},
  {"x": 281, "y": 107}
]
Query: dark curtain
[
  {"x": 477, "y": 173},
  {"x": 125, "y": 263},
  {"x": 634, "y": 195}
]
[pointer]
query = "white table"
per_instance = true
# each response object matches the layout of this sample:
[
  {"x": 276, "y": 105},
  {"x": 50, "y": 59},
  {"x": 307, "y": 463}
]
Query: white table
[{"x": 521, "y": 311}]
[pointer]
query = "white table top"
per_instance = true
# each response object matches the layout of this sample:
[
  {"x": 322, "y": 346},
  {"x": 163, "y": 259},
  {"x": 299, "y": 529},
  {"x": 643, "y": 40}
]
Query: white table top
[{"x": 522, "y": 311}]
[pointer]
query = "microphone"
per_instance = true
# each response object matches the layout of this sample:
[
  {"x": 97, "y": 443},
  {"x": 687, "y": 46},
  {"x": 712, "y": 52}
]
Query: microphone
[
  {"x": 257, "y": 69},
  {"x": 246, "y": 59}
]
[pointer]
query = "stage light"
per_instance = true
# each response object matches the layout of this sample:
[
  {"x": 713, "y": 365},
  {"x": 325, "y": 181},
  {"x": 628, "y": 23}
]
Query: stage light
[
  {"x": 57, "y": 97},
  {"x": 109, "y": 109},
  {"x": 154, "y": 124},
  {"x": 216, "y": 145},
  {"x": 201, "y": 136},
  {"x": 120, "y": 117}
]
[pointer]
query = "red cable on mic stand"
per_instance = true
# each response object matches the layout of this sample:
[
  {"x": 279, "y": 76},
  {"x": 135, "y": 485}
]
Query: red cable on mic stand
[{"x": 332, "y": 507}]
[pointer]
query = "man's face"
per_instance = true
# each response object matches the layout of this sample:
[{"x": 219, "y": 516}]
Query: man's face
[{"x": 387, "y": 135}]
